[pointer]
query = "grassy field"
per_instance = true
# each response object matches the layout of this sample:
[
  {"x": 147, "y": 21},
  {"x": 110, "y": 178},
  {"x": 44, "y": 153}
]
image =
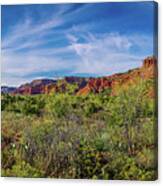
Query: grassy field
[{"x": 67, "y": 136}]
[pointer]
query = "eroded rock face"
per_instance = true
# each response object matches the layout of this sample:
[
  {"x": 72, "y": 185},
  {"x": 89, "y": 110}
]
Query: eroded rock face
[
  {"x": 149, "y": 61},
  {"x": 97, "y": 85},
  {"x": 35, "y": 87},
  {"x": 88, "y": 85}
]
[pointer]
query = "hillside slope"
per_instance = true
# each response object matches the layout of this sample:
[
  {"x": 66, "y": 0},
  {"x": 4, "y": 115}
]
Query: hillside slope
[{"x": 123, "y": 80}]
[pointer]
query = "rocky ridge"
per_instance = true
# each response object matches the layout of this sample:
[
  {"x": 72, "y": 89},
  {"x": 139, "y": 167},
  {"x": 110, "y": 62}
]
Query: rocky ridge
[{"x": 88, "y": 85}]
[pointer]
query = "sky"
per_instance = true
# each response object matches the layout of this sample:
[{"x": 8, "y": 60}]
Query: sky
[{"x": 58, "y": 40}]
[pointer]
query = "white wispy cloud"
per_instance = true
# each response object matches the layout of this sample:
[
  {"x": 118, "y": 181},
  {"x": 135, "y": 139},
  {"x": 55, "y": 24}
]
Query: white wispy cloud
[
  {"x": 21, "y": 65},
  {"x": 107, "y": 53},
  {"x": 26, "y": 31},
  {"x": 96, "y": 54}
]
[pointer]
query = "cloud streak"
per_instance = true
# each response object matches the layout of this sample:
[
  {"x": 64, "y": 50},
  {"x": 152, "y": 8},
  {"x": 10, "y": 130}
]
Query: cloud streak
[
  {"x": 105, "y": 54},
  {"x": 59, "y": 45}
]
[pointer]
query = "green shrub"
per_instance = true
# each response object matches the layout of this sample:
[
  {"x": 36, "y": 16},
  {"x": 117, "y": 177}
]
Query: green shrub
[{"x": 66, "y": 136}]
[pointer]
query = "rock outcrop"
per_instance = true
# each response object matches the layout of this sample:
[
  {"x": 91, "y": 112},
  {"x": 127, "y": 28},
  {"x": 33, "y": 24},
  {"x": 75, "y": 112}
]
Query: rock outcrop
[
  {"x": 35, "y": 87},
  {"x": 149, "y": 61},
  {"x": 96, "y": 85}
]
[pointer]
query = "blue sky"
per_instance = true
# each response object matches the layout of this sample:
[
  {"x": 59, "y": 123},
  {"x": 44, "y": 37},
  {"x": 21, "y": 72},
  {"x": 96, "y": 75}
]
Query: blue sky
[{"x": 52, "y": 41}]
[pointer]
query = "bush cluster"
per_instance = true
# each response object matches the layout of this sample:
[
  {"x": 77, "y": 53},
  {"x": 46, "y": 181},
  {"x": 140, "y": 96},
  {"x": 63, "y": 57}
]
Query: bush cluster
[{"x": 67, "y": 136}]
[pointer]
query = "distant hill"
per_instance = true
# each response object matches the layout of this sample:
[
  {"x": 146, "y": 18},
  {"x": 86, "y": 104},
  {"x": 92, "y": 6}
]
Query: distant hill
[
  {"x": 7, "y": 90},
  {"x": 85, "y": 86}
]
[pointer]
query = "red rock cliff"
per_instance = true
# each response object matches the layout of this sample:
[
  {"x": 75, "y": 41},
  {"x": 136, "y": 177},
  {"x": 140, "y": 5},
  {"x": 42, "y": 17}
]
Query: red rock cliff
[{"x": 94, "y": 85}]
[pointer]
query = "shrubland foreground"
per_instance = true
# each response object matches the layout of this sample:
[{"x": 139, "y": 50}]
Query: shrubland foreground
[{"x": 95, "y": 136}]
